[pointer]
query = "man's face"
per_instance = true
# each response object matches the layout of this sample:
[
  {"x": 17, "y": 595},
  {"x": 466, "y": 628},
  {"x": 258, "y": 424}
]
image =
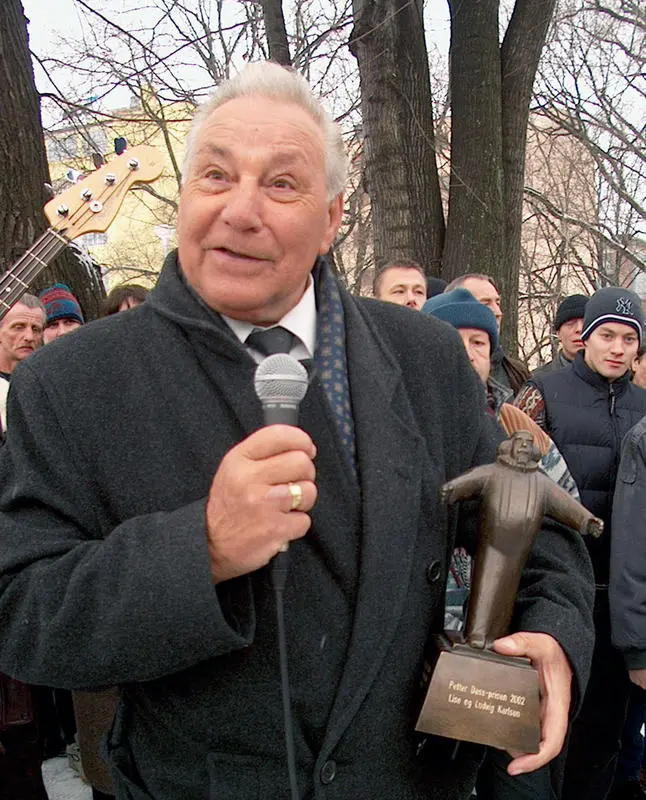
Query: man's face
[
  {"x": 21, "y": 332},
  {"x": 639, "y": 371},
  {"x": 570, "y": 337},
  {"x": 60, "y": 327},
  {"x": 403, "y": 286},
  {"x": 254, "y": 212},
  {"x": 521, "y": 448},
  {"x": 478, "y": 347},
  {"x": 485, "y": 293},
  {"x": 611, "y": 348}
]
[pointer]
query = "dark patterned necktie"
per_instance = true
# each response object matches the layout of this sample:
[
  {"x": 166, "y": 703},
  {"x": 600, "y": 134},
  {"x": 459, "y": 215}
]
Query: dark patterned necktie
[{"x": 270, "y": 341}]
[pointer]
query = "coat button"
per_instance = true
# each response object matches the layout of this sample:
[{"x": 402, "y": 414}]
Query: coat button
[
  {"x": 433, "y": 571},
  {"x": 328, "y": 771}
]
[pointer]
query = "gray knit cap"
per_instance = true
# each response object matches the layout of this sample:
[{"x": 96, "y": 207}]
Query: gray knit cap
[{"x": 613, "y": 304}]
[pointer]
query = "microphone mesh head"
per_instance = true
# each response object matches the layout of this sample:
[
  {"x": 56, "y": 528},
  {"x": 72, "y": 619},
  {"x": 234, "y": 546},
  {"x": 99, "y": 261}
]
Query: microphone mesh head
[{"x": 280, "y": 379}]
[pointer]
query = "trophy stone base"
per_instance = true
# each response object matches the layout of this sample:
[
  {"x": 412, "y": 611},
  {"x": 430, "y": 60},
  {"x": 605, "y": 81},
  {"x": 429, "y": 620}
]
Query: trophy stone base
[{"x": 480, "y": 696}]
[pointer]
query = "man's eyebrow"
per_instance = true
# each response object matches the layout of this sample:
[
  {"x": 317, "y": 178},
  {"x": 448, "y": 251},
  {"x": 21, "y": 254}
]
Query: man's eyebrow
[{"x": 208, "y": 150}]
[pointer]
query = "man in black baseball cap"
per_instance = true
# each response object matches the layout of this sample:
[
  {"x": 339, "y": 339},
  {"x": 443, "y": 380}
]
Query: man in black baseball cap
[{"x": 568, "y": 326}]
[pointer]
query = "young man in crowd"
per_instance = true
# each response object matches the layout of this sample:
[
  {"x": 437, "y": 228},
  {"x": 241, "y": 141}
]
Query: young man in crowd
[
  {"x": 401, "y": 282},
  {"x": 639, "y": 368},
  {"x": 587, "y": 408},
  {"x": 64, "y": 313},
  {"x": 568, "y": 326},
  {"x": 139, "y": 537}
]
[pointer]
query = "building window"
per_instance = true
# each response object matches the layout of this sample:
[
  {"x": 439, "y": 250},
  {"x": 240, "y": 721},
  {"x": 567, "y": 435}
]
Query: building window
[{"x": 94, "y": 239}]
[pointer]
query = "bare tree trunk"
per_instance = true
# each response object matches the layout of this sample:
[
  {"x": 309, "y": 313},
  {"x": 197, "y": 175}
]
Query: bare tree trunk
[
  {"x": 401, "y": 172},
  {"x": 475, "y": 230},
  {"x": 24, "y": 171},
  {"x": 491, "y": 89},
  {"x": 272, "y": 11},
  {"x": 520, "y": 53}
]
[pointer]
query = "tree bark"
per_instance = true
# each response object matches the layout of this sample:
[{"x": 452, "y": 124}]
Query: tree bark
[
  {"x": 401, "y": 171},
  {"x": 24, "y": 170},
  {"x": 475, "y": 229},
  {"x": 272, "y": 11},
  {"x": 520, "y": 54},
  {"x": 491, "y": 88}
]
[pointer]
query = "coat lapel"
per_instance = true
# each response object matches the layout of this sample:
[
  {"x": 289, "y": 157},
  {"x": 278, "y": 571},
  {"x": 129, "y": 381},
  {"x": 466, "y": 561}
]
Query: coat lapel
[
  {"x": 231, "y": 369},
  {"x": 391, "y": 456}
]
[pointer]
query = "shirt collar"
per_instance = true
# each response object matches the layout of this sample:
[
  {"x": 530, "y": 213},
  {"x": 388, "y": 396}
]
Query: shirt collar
[{"x": 300, "y": 320}]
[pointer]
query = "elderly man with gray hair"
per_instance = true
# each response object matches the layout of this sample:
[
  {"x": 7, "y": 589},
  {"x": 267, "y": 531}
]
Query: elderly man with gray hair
[{"x": 138, "y": 539}]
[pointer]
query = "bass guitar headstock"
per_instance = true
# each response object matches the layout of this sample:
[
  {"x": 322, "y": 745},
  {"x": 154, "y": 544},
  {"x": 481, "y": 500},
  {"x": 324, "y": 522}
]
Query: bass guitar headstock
[{"x": 90, "y": 205}]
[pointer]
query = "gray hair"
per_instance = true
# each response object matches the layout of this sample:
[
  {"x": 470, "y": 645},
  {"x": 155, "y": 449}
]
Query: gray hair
[
  {"x": 31, "y": 301},
  {"x": 278, "y": 83},
  {"x": 462, "y": 279}
]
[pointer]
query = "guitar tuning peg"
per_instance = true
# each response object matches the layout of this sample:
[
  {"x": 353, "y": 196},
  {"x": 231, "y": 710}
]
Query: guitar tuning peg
[
  {"x": 49, "y": 190},
  {"x": 98, "y": 160}
]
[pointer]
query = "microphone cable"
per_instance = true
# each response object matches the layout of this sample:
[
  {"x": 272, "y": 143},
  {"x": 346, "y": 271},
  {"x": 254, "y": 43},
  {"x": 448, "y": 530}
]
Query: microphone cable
[
  {"x": 281, "y": 383},
  {"x": 279, "y": 568}
]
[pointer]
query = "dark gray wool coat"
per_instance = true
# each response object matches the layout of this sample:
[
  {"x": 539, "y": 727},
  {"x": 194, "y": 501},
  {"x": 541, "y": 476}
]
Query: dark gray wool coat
[{"x": 114, "y": 436}]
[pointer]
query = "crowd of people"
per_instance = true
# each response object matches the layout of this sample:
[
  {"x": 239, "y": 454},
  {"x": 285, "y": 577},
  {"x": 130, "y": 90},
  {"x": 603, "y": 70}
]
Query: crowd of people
[{"x": 151, "y": 526}]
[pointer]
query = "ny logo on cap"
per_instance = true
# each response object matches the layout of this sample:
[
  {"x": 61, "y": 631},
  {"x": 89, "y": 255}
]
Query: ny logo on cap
[{"x": 624, "y": 305}]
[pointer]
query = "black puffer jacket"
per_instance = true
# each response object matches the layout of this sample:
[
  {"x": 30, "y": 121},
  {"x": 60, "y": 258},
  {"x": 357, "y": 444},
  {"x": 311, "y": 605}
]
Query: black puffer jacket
[{"x": 587, "y": 416}]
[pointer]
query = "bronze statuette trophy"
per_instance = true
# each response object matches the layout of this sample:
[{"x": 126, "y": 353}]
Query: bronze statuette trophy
[{"x": 474, "y": 694}]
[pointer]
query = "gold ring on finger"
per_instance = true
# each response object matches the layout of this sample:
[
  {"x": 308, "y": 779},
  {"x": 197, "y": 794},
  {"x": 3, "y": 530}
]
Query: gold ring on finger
[{"x": 296, "y": 493}]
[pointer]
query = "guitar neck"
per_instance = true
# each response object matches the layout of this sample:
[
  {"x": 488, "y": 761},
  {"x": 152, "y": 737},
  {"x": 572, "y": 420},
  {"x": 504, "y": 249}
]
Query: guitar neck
[{"x": 17, "y": 280}]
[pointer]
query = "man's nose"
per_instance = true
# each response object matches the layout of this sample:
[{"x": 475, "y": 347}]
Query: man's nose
[{"x": 241, "y": 208}]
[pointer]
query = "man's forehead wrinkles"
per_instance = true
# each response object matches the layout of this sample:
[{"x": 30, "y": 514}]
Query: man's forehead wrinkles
[{"x": 282, "y": 155}]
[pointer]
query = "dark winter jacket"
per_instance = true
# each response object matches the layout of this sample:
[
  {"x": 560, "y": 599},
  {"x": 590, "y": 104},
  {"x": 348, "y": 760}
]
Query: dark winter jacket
[
  {"x": 587, "y": 416},
  {"x": 508, "y": 372},
  {"x": 115, "y": 435},
  {"x": 558, "y": 362},
  {"x": 628, "y": 551}
]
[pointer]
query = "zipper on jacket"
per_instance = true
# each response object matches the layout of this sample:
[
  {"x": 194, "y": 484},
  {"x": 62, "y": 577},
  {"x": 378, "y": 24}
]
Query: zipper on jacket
[{"x": 611, "y": 399}]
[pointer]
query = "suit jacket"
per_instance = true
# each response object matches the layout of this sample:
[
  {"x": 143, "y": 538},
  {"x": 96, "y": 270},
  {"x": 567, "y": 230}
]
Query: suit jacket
[{"x": 115, "y": 435}]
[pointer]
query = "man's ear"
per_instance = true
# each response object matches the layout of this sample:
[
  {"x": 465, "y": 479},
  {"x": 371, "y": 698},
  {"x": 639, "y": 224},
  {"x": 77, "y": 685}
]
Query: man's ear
[{"x": 335, "y": 216}]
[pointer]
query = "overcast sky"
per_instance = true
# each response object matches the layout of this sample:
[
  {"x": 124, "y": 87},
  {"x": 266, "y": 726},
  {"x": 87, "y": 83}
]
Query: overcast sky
[{"x": 48, "y": 18}]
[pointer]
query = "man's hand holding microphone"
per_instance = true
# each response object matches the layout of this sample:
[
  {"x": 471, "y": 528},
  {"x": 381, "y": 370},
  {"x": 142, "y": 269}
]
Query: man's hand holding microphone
[{"x": 265, "y": 485}]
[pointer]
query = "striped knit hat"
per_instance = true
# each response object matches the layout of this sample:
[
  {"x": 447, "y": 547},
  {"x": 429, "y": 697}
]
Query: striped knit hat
[
  {"x": 60, "y": 303},
  {"x": 613, "y": 304}
]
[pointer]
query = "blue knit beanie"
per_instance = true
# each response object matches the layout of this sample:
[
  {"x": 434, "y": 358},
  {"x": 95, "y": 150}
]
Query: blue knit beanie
[
  {"x": 613, "y": 304},
  {"x": 460, "y": 309},
  {"x": 60, "y": 303}
]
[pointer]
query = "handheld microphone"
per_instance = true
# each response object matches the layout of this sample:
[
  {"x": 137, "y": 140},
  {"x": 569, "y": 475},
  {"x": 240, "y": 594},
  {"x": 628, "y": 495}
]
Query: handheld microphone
[{"x": 281, "y": 383}]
